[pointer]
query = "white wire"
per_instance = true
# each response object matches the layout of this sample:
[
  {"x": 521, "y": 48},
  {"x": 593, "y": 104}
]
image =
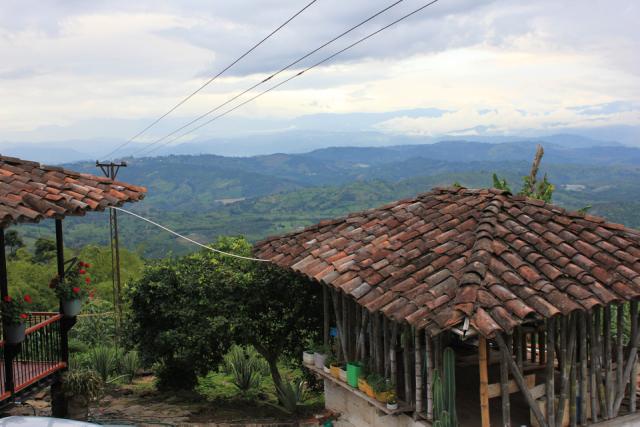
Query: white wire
[{"x": 186, "y": 238}]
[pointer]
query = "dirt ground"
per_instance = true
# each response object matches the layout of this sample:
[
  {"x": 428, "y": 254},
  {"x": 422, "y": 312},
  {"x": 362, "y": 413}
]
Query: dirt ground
[{"x": 139, "y": 404}]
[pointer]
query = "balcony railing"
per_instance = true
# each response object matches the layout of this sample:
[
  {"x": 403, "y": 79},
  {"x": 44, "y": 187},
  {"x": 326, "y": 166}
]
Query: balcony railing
[{"x": 37, "y": 357}]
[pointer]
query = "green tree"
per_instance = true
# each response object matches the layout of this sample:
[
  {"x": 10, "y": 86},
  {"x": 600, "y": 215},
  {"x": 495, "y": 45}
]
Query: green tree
[
  {"x": 13, "y": 240},
  {"x": 44, "y": 250}
]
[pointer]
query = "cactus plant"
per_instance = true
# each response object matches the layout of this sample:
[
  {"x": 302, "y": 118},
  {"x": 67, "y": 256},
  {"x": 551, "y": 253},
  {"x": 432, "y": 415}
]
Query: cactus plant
[{"x": 444, "y": 392}]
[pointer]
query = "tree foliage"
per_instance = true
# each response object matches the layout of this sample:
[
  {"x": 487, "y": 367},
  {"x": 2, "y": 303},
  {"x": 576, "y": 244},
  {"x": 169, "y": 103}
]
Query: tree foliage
[{"x": 187, "y": 312}]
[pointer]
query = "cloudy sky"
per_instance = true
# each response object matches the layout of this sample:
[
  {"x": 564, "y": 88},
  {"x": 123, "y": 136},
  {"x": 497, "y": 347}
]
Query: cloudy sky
[{"x": 80, "y": 70}]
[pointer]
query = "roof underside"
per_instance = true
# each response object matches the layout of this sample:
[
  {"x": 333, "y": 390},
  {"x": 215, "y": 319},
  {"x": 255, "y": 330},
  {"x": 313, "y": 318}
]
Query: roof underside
[
  {"x": 30, "y": 192},
  {"x": 498, "y": 259}
]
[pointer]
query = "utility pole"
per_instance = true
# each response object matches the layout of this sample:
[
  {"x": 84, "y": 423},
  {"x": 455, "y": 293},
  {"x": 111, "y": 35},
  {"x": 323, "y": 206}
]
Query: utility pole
[{"x": 110, "y": 170}]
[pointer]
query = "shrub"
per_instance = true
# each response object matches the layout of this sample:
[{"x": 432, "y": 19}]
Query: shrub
[
  {"x": 246, "y": 367},
  {"x": 83, "y": 382},
  {"x": 130, "y": 365},
  {"x": 103, "y": 360}
]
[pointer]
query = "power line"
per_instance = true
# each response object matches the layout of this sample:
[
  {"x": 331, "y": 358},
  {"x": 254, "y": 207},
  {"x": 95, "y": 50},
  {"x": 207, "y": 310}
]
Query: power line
[
  {"x": 296, "y": 75},
  {"x": 188, "y": 239},
  {"x": 208, "y": 113},
  {"x": 208, "y": 82}
]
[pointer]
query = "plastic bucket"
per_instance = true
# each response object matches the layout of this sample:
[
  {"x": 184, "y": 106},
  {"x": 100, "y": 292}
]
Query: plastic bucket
[
  {"x": 71, "y": 308},
  {"x": 354, "y": 369}
]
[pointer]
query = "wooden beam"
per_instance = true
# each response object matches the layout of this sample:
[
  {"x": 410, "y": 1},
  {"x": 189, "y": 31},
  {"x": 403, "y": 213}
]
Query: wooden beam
[
  {"x": 393, "y": 353},
  {"x": 326, "y": 314},
  {"x": 484, "y": 381},
  {"x": 418, "y": 370},
  {"x": 620, "y": 382},
  {"x": 519, "y": 349},
  {"x": 496, "y": 389},
  {"x": 550, "y": 371},
  {"x": 360, "y": 346},
  {"x": 517, "y": 375},
  {"x": 385, "y": 346},
  {"x": 406, "y": 364}
]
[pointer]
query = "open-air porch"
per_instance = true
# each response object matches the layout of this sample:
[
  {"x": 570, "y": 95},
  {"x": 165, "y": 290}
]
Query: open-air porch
[{"x": 537, "y": 304}]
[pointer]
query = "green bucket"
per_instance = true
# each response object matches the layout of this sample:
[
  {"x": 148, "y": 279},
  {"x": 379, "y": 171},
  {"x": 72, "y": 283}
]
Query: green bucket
[{"x": 354, "y": 369}]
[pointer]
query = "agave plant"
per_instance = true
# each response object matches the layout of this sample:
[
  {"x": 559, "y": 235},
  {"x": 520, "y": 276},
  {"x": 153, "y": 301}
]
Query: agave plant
[
  {"x": 103, "y": 360},
  {"x": 245, "y": 366},
  {"x": 130, "y": 365},
  {"x": 291, "y": 394}
]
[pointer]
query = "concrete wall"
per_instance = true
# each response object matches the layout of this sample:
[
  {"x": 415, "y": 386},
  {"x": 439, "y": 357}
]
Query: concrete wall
[{"x": 358, "y": 413}]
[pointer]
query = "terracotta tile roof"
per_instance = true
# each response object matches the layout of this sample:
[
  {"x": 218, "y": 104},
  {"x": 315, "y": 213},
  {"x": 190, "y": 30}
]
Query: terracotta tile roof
[
  {"x": 30, "y": 192},
  {"x": 453, "y": 253}
]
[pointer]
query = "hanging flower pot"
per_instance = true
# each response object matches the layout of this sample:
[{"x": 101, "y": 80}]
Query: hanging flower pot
[
  {"x": 72, "y": 308},
  {"x": 15, "y": 333},
  {"x": 73, "y": 288}
]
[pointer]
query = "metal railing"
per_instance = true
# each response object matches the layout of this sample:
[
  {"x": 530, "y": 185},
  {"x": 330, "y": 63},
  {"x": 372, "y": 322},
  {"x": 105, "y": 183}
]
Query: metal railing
[{"x": 37, "y": 357}]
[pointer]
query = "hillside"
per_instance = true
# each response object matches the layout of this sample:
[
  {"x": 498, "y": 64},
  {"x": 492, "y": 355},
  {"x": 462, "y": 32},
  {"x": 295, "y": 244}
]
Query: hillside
[{"x": 206, "y": 196}]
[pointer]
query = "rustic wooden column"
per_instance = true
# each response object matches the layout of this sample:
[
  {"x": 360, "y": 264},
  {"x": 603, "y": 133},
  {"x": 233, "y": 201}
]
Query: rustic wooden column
[
  {"x": 326, "y": 314},
  {"x": 620, "y": 383},
  {"x": 504, "y": 387},
  {"x": 339, "y": 324},
  {"x": 534, "y": 346},
  {"x": 583, "y": 369},
  {"x": 519, "y": 350},
  {"x": 418, "y": 367},
  {"x": 522, "y": 385},
  {"x": 550, "y": 371},
  {"x": 568, "y": 355},
  {"x": 593, "y": 366},
  {"x": 633, "y": 351},
  {"x": 542, "y": 343},
  {"x": 406, "y": 348},
  {"x": 484, "y": 381},
  {"x": 4, "y": 291},
  {"x": 393, "y": 348},
  {"x": 606, "y": 326},
  {"x": 429, "y": 370},
  {"x": 385, "y": 346},
  {"x": 634, "y": 370}
]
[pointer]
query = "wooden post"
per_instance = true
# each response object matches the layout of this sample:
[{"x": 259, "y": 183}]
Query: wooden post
[
  {"x": 550, "y": 392},
  {"x": 380, "y": 346},
  {"x": 4, "y": 291},
  {"x": 542, "y": 345},
  {"x": 345, "y": 326},
  {"x": 429, "y": 370},
  {"x": 484, "y": 381},
  {"x": 568, "y": 351},
  {"x": 619, "y": 351},
  {"x": 593, "y": 366},
  {"x": 340, "y": 325},
  {"x": 583, "y": 369},
  {"x": 418, "y": 367},
  {"x": 385, "y": 340},
  {"x": 634, "y": 370},
  {"x": 406, "y": 364},
  {"x": 573, "y": 410},
  {"x": 504, "y": 388},
  {"x": 517, "y": 376},
  {"x": 534, "y": 345},
  {"x": 394, "y": 352},
  {"x": 633, "y": 351},
  {"x": 599, "y": 362},
  {"x": 519, "y": 349},
  {"x": 326, "y": 314},
  {"x": 607, "y": 362}
]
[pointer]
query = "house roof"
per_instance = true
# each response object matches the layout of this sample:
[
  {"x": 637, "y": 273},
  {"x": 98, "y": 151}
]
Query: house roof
[
  {"x": 30, "y": 192},
  {"x": 453, "y": 253}
]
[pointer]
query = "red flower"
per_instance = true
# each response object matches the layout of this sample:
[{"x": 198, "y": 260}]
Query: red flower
[
  {"x": 87, "y": 265},
  {"x": 91, "y": 294},
  {"x": 87, "y": 279},
  {"x": 82, "y": 271},
  {"x": 27, "y": 298},
  {"x": 81, "y": 264},
  {"x": 76, "y": 290},
  {"x": 24, "y": 316},
  {"x": 7, "y": 298}
]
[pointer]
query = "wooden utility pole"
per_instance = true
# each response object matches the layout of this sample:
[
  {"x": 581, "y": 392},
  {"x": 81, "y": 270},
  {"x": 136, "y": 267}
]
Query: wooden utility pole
[{"x": 110, "y": 170}]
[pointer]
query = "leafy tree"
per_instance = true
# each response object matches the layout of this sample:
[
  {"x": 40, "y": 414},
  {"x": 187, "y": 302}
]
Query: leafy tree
[
  {"x": 187, "y": 312},
  {"x": 13, "y": 240},
  {"x": 44, "y": 250}
]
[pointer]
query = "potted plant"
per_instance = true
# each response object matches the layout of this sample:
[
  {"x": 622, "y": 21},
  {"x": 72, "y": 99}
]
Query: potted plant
[
  {"x": 392, "y": 401},
  {"x": 381, "y": 388},
  {"x": 14, "y": 316},
  {"x": 73, "y": 289},
  {"x": 335, "y": 367},
  {"x": 81, "y": 386},
  {"x": 354, "y": 371},
  {"x": 307, "y": 357},
  {"x": 330, "y": 360},
  {"x": 363, "y": 386},
  {"x": 342, "y": 373},
  {"x": 320, "y": 355}
]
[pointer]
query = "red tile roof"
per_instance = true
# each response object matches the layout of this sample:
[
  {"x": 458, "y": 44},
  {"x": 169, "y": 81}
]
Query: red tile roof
[
  {"x": 453, "y": 253},
  {"x": 30, "y": 192}
]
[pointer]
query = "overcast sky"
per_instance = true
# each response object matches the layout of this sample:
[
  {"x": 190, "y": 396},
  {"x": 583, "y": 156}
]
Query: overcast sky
[{"x": 75, "y": 69}]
